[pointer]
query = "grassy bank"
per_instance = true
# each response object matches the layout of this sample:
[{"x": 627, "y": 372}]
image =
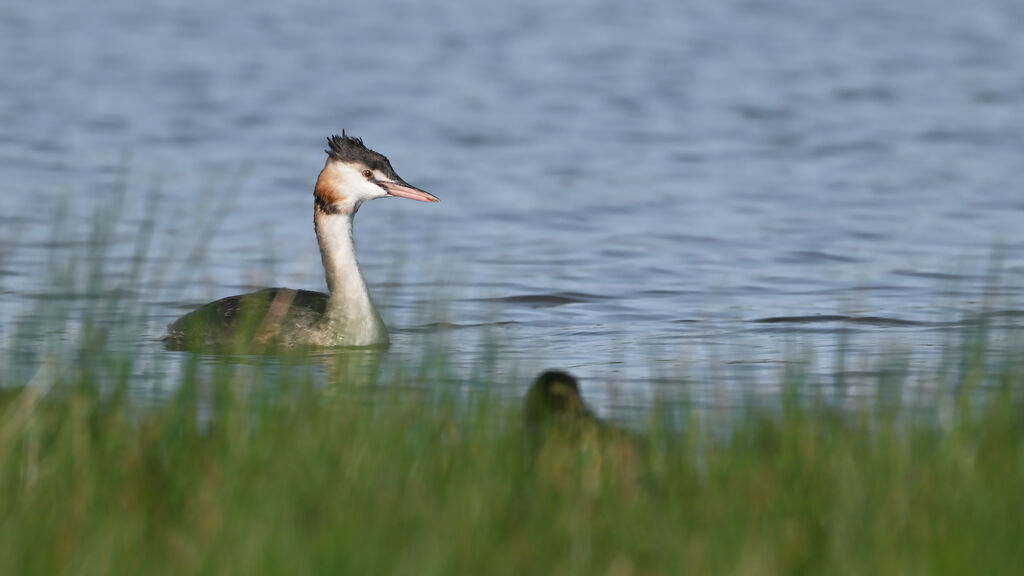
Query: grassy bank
[
  {"x": 291, "y": 468},
  {"x": 307, "y": 480}
]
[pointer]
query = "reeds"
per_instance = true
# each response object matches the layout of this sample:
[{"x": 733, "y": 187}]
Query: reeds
[{"x": 293, "y": 465}]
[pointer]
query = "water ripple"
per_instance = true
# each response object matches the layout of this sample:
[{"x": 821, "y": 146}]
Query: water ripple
[{"x": 544, "y": 300}]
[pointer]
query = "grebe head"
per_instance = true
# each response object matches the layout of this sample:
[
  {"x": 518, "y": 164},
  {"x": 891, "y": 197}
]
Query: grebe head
[
  {"x": 554, "y": 394},
  {"x": 354, "y": 174}
]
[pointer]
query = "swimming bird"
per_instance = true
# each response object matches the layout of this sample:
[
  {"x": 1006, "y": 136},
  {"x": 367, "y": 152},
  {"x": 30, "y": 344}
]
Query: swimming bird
[
  {"x": 569, "y": 444},
  {"x": 285, "y": 317}
]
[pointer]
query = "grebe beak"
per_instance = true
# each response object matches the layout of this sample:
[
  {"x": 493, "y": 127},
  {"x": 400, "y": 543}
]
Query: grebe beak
[{"x": 405, "y": 190}]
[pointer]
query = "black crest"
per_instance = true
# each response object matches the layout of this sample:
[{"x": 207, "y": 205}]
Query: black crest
[{"x": 347, "y": 148}]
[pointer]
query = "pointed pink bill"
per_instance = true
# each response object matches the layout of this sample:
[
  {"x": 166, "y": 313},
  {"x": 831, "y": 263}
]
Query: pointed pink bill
[{"x": 405, "y": 190}]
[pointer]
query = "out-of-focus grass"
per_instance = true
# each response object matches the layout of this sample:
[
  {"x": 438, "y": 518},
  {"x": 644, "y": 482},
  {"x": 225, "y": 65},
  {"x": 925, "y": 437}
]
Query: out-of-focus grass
[
  {"x": 297, "y": 470},
  {"x": 304, "y": 480}
]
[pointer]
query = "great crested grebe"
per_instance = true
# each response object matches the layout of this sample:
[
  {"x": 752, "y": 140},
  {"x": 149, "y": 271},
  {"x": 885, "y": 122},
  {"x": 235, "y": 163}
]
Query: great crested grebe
[{"x": 285, "y": 317}]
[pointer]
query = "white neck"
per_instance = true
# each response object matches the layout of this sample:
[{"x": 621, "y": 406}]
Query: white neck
[{"x": 350, "y": 318}]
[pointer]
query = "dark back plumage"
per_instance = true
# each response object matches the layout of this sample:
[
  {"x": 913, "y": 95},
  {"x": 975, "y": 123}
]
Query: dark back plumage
[{"x": 232, "y": 322}]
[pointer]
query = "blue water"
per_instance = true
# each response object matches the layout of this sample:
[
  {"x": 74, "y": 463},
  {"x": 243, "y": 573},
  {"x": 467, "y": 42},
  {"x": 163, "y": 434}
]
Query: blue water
[{"x": 630, "y": 190}]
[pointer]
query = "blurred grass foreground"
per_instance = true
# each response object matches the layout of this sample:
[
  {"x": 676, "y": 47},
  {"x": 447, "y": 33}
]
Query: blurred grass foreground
[
  {"x": 306, "y": 472},
  {"x": 304, "y": 481},
  {"x": 302, "y": 478}
]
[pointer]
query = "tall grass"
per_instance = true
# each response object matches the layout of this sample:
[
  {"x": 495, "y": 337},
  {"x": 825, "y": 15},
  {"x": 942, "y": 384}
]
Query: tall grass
[
  {"x": 285, "y": 469},
  {"x": 304, "y": 478}
]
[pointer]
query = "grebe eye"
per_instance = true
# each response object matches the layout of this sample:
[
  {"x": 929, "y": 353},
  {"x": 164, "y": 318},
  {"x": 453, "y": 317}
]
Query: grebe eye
[{"x": 367, "y": 174}]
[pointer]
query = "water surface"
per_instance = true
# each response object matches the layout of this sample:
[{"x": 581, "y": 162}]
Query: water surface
[{"x": 630, "y": 191}]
